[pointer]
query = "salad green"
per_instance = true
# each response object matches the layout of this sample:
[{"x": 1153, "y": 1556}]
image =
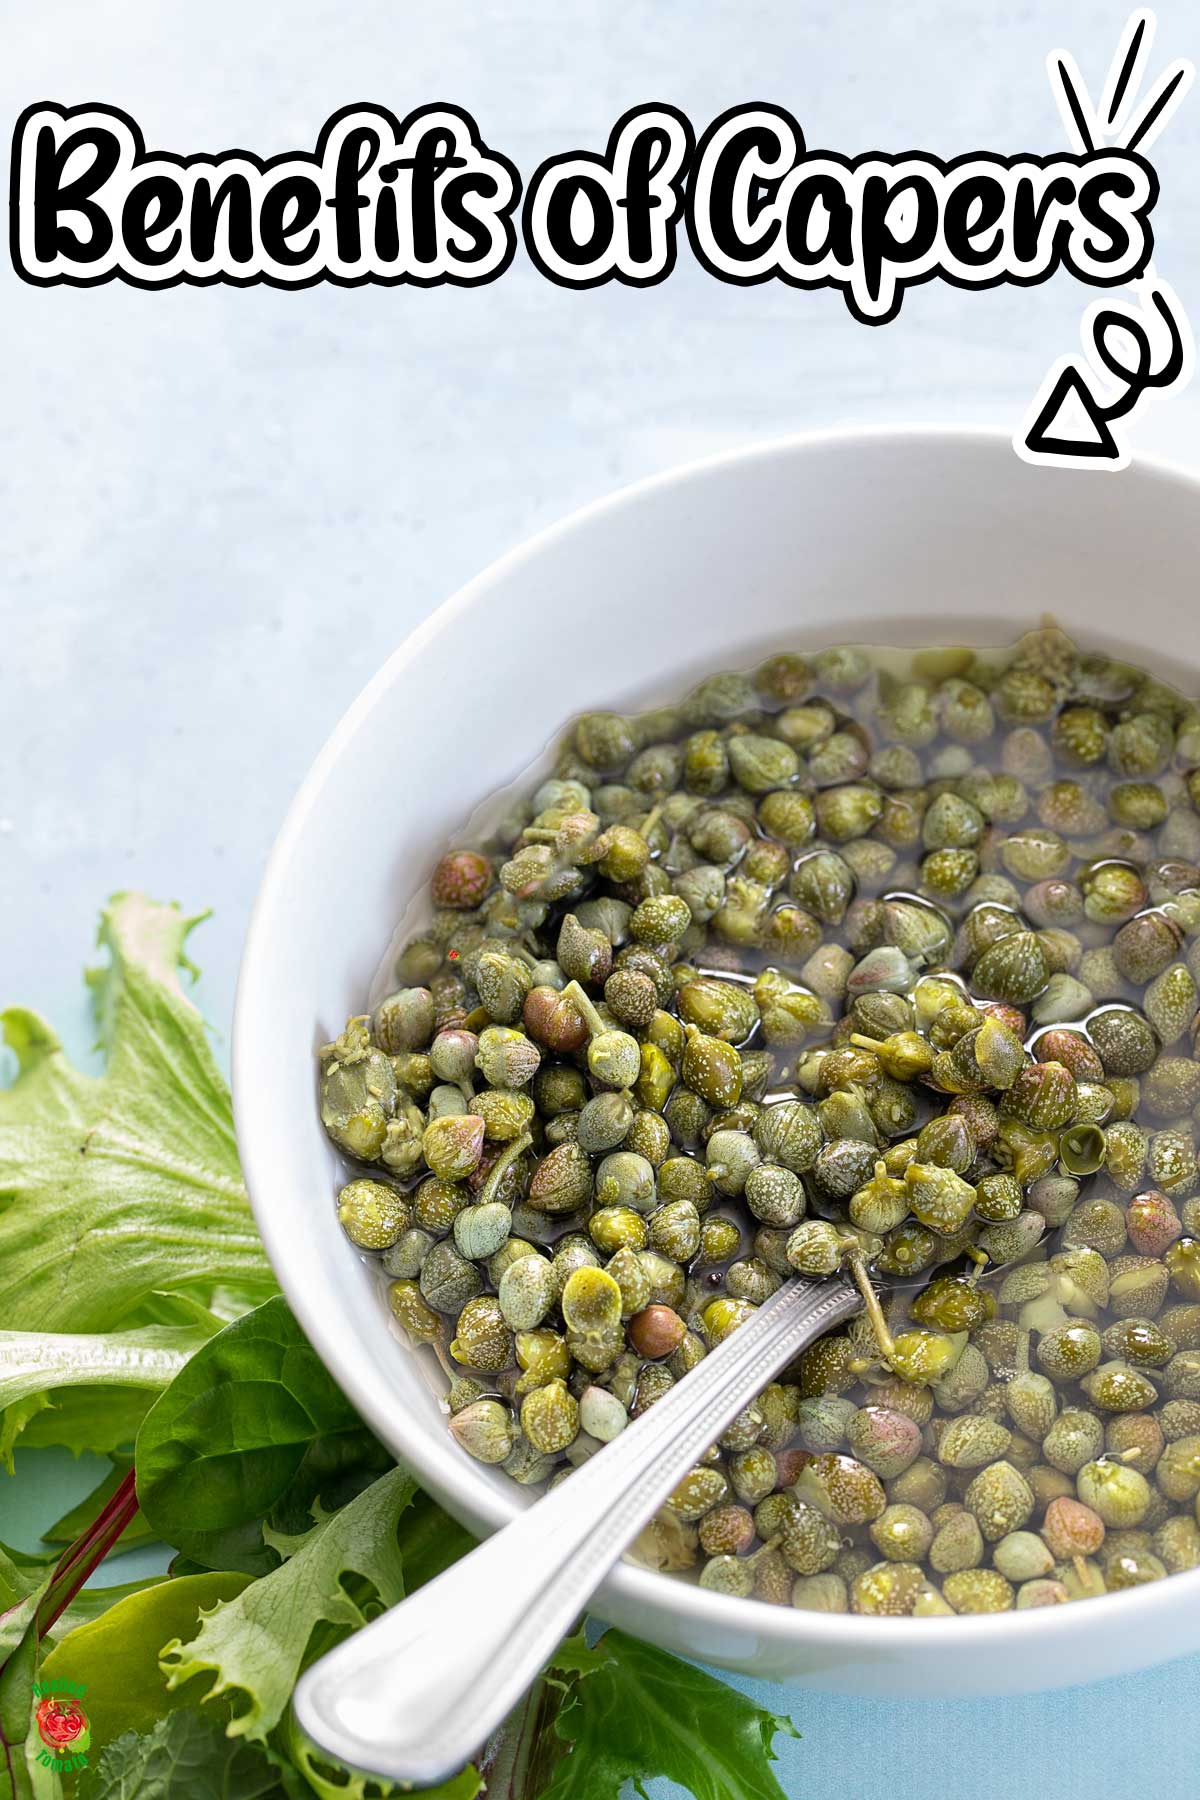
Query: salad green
[{"x": 145, "y": 1325}]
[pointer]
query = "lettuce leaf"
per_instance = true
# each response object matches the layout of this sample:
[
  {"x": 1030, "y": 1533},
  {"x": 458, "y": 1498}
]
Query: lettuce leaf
[
  {"x": 33, "y": 1363},
  {"x": 257, "y": 1643},
  {"x": 117, "y": 1187},
  {"x": 115, "y": 1654},
  {"x": 99, "y": 1419}
]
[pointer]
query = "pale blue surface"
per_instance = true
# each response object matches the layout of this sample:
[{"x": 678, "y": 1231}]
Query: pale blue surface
[{"x": 220, "y": 511}]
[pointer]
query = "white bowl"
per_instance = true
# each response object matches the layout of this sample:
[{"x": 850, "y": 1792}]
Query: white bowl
[{"x": 909, "y": 537}]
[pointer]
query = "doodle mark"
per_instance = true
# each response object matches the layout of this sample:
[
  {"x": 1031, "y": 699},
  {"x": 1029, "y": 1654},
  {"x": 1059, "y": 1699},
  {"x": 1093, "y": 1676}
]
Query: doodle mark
[{"x": 1129, "y": 352}]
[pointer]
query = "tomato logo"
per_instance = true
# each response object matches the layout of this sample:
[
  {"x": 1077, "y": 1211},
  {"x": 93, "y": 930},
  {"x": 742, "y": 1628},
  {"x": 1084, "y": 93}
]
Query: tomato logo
[{"x": 62, "y": 1724}]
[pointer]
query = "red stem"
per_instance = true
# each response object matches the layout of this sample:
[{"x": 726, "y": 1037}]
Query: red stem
[{"x": 84, "y": 1556}]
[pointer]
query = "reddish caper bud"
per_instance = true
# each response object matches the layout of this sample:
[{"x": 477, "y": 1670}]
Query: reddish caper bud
[
  {"x": 553, "y": 1021},
  {"x": 1072, "y": 1050},
  {"x": 656, "y": 1331},
  {"x": 1153, "y": 1223},
  {"x": 461, "y": 880},
  {"x": 453, "y": 1054}
]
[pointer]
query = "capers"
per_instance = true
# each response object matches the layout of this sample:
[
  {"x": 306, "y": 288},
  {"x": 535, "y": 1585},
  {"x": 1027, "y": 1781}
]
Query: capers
[{"x": 831, "y": 967}]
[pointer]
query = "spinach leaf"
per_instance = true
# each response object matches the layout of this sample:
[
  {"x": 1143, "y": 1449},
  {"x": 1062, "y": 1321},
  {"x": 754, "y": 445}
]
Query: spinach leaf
[{"x": 252, "y": 1429}]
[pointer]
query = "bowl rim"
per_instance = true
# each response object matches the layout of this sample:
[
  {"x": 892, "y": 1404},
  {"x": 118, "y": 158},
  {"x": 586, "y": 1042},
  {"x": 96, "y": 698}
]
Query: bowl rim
[{"x": 843, "y": 1635}]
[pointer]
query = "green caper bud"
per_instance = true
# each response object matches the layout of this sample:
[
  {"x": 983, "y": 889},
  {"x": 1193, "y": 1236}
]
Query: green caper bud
[
  {"x": 1178, "y": 1470},
  {"x": 1013, "y": 970},
  {"x": 1074, "y": 1439},
  {"x": 562, "y": 1181},
  {"x": 526, "y": 1292},
  {"x": 1116, "y": 1491},
  {"x": 902, "y": 1534},
  {"x": 1043, "y": 1096},
  {"x": 482, "y": 1339},
  {"x": 604, "y": 741},
  {"x": 712, "y": 1068},
  {"x": 844, "y": 1165},
  {"x": 404, "y": 1258},
  {"x": 888, "y": 1590},
  {"x": 732, "y": 1157},
  {"x": 507, "y": 1058},
  {"x": 550, "y": 1417},
  {"x": 815, "y": 1248},
  {"x": 998, "y": 1198},
  {"x": 774, "y": 1194},
  {"x": 447, "y": 1279},
  {"x": 1124, "y": 1039},
  {"x": 924, "y": 1356},
  {"x": 907, "y": 1250},
  {"x": 485, "y": 1430},
  {"x": 372, "y": 1214},
  {"x": 411, "y": 1310},
  {"x": 759, "y": 764},
  {"x": 358, "y": 1092},
  {"x": 1000, "y": 1500},
  {"x": 404, "y": 1021},
  {"x": 952, "y": 1303},
  {"x": 452, "y": 1146},
  {"x": 626, "y": 1179},
  {"x": 957, "y": 1544},
  {"x": 479, "y": 1231},
  {"x": 979, "y": 1591},
  {"x": 1181, "y": 1377},
  {"x": 1170, "y": 1002},
  {"x": 542, "y": 1356},
  {"x": 938, "y": 1198},
  {"x": 604, "y": 1123}
]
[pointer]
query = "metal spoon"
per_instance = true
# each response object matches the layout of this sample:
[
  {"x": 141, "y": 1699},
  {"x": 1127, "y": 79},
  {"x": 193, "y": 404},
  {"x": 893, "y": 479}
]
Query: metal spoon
[{"x": 416, "y": 1692}]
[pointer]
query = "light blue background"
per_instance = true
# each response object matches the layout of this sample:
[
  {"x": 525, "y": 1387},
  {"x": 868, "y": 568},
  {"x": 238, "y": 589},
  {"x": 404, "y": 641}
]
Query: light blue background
[{"x": 219, "y": 511}]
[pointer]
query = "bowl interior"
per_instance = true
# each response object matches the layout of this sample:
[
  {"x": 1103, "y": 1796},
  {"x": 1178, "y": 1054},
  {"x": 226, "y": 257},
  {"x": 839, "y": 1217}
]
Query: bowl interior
[{"x": 890, "y": 538}]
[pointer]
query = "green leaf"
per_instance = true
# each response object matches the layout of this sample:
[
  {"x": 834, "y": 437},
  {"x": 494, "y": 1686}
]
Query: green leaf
[
  {"x": 34, "y": 1363},
  {"x": 96, "y": 1419},
  {"x": 127, "y": 1184},
  {"x": 254, "y": 1428},
  {"x": 256, "y": 1645},
  {"x": 182, "y": 1754},
  {"x": 430, "y": 1540},
  {"x": 642, "y": 1713},
  {"x": 18, "y": 1666},
  {"x": 116, "y": 1656},
  {"x": 333, "y": 1781},
  {"x": 76, "y": 1521},
  {"x": 90, "y": 1602},
  {"x": 20, "y": 1574}
]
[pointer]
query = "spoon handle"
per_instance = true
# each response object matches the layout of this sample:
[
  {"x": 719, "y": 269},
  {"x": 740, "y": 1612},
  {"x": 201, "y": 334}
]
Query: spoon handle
[{"x": 417, "y": 1691}]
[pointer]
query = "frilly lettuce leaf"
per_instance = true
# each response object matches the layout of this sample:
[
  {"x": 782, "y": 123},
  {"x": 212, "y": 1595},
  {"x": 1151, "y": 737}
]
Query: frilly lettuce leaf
[
  {"x": 255, "y": 1646},
  {"x": 117, "y": 1187}
]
